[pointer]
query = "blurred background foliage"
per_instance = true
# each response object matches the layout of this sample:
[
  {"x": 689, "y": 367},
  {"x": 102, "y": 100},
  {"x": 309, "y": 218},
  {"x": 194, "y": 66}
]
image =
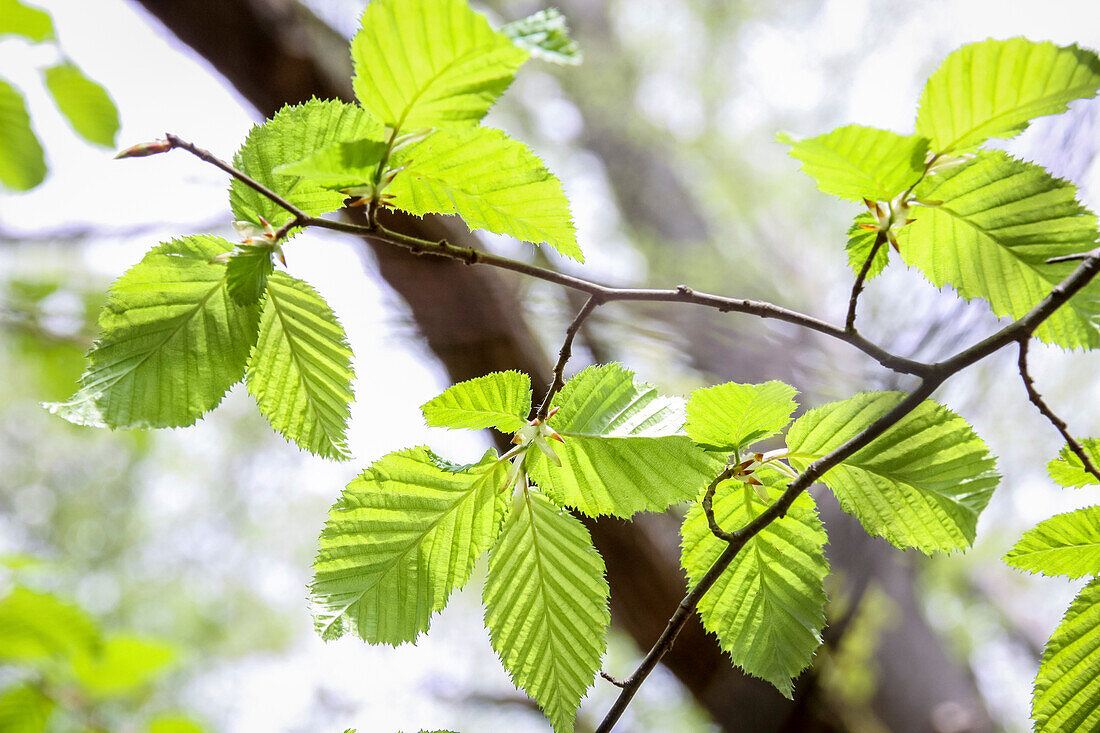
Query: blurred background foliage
[{"x": 198, "y": 542}]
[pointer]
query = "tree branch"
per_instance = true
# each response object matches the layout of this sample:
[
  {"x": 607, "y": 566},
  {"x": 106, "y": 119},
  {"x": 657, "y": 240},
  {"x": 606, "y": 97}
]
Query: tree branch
[
  {"x": 558, "y": 380},
  {"x": 708, "y": 504},
  {"x": 1049, "y": 414},
  {"x": 857, "y": 286}
]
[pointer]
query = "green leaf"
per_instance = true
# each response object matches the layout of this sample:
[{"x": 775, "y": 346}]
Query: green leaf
[
  {"x": 767, "y": 607},
  {"x": 341, "y": 166},
  {"x": 23, "y": 709},
  {"x": 546, "y": 605},
  {"x": 37, "y": 626},
  {"x": 920, "y": 484},
  {"x": 85, "y": 104},
  {"x": 300, "y": 368},
  {"x": 174, "y": 724},
  {"x": 292, "y": 134},
  {"x": 1068, "y": 544},
  {"x": 19, "y": 19},
  {"x": 625, "y": 448},
  {"x": 999, "y": 222},
  {"x": 856, "y": 162},
  {"x": 545, "y": 35},
  {"x": 860, "y": 243},
  {"x": 404, "y": 534},
  {"x": 123, "y": 665},
  {"x": 733, "y": 416},
  {"x": 22, "y": 164},
  {"x": 499, "y": 400},
  {"x": 993, "y": 88},
  {"x": 1068, "y": 470},
  {"x": 430, "y": 63},
  {"x": 173, "y": 341},
  {"x": 1067, "y": 689},
  {"x": 492, "y": 181},
  {"x": 247, "y": 272}
]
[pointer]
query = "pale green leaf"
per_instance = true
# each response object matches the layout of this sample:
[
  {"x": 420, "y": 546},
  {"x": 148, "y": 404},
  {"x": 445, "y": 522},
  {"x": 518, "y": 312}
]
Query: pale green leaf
[
  {"x": 1068, "y": 470},
  {"x": 546, "y": 605},
  {"x": 499, "y": 400},
  {"x": 545, "y": 34},
  {"x": 920, "y": 484},
  {"x": 767, "y": 607},
  {"x": 1067, "y": 688},
  {"x": 247, "y": 272},
  {"x": 22, "y": 163},
  {"x": 856, "y": 162},
  {"x": 994, "y": 88},
  {"x": 860, "y": 243},
  {"x": 492, "y": 181},
  {"x": 174, "y": 724},
  {"x": 23, "y": 709},
  {"x": 19, "y": 19},
  {"x": 122, "y": 665},
  {"x": 300, "y": 368},
  {"x": 625, "y": 448},
  {"x": 1068, "y": 544},
  {"x": 341, "y": 166},
  {"x": 734, "y": 416},
  {"x": 294, "y": 133},
  {"x": 430, "y": 63},
  {"x": 172, "y": 342},
  {"x": 37, "y": 626},
  {"x": 86, "y": 105},
  {"x": 999, "y": 222},
  {"x": 404, "y": 534}
]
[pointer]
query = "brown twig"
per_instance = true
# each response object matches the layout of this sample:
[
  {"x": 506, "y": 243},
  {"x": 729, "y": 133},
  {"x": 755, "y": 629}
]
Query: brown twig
[
  {"x": 857, "y": 286},
  {"x": 558, "y": 380},
  {"x": 708, "y": 504},
  {"x": 1050, "y": 415}
]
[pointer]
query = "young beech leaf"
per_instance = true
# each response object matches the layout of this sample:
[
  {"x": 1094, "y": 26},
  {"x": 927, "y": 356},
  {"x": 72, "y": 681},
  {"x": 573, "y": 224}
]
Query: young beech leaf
[
  {"x": 545, "y": 34},
  {"x": 1067, "y": 468},
  {"x": 1067, "y": 689},
  {"x": 920, "y": 484},
  {"x": 340, "y": 166},
  {"x": 625, "y": 448},
  {"x": 247, "y": 272},
  {"x": 546, "y": 605},
  {"x": 994, "y": 88},
  {"x": 732, "y": 416},
  {"x": 296, "y": 131},
  {"x": 1000, "y": 220},
  {"x": 430, "y": 63},
  {"x": 499, "y": 400},
  {"x": 85, "y": 104},
  {"x": 404, "y": 534},
  {"x": 492, "y": 181},
  {"x": 860, "y": 243},
  {"x": 1068, "y": 544},
  {"x": 19, "y": 19},
  {"x": 24, "y": 708},
  {"x": 172, "y": 342},
  {"x": 22, "y": 163},
  {"x": 856, "y": 162},
  {"x": 38, "y": 627},
  {"x": 300, "y": 368},
  {"x": 767, "y": 608}
]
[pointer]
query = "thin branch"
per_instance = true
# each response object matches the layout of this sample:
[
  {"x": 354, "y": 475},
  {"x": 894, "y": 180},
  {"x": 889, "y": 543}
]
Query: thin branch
[
  {"x": 604, "y": 293},
  {"x": 612, "y": 680},
  {"x": 1049, "y": 414},
  {"x": 861, "y": 278},
  {"x": 1020, "y": 329},
  {"x": 708, "y": 504},
  {"x": 558, "y": 380}
]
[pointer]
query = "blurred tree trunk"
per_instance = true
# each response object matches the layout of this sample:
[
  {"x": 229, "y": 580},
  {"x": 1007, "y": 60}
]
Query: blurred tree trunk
[{"x": 274, "y": 52}]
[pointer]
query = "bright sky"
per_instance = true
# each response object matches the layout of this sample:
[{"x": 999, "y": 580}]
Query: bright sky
[{"x": 158, "y": 88}]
